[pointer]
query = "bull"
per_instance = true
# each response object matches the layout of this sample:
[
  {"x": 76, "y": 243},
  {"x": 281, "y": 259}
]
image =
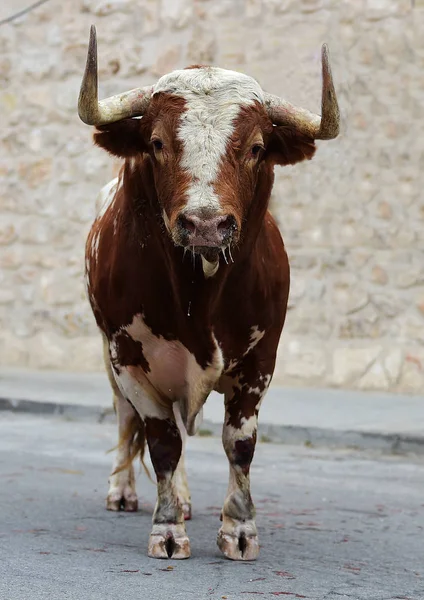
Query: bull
[{"x": 188, "y": 277}]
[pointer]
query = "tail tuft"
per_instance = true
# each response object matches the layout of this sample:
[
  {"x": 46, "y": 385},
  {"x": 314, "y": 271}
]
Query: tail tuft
[{"x": 134, "y": 437}]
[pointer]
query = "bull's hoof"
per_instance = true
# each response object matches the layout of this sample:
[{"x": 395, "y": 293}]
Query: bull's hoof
[
  {"x": 238, "y": 547},
  {"x": 169, "y": 541},
  {"x": 122, "y": 499},
  {"x": 186, "y": 511}
]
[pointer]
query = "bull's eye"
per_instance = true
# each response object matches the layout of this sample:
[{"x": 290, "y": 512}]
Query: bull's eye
[
  {"x": 157, "y": 144},
  {"x": 256, "y": 149}
]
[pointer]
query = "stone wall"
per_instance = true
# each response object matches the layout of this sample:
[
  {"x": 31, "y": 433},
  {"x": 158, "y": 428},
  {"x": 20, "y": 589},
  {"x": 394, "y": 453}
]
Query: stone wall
[{"x": 353, "y": 218}]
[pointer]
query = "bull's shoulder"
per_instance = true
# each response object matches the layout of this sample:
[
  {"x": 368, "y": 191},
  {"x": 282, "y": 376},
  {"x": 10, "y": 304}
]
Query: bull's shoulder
[
  {"x": 109, "y": 209},
  {"x": 106, "y": 196}
]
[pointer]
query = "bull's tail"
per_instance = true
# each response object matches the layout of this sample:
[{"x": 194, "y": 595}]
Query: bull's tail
[{"x": 133, "y": 440}]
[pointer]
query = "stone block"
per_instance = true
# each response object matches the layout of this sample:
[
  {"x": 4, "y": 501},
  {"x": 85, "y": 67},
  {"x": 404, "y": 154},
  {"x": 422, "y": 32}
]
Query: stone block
[
  {"x": 8, "y": 233},
  {"x": 351, "y": 364}
]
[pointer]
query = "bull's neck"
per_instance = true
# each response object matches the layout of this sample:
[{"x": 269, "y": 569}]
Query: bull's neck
[{"x": 184, "y": 271}]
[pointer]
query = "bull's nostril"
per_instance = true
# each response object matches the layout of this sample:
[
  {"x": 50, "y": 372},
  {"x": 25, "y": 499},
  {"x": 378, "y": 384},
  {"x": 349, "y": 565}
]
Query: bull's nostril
[
  {"x": 186, "y": 224},
  {"x": 228, "y": 224}
]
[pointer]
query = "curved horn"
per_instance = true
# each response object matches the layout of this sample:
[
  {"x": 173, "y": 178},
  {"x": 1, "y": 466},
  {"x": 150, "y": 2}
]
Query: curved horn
[
  {"x": 94, "y": 112},
  {"x": 325, "y": 127}
]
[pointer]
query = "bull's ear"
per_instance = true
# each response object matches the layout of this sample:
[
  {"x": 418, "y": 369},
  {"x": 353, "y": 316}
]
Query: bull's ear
[
  {"x": 124, "y": 138},
  {"x": 288, "y": 146}
]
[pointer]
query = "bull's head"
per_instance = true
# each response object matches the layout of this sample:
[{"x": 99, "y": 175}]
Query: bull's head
[{"x": 210, "y": 134}]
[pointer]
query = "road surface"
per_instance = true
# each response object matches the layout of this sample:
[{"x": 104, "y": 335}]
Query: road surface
[{"x": 332, "y": 524}]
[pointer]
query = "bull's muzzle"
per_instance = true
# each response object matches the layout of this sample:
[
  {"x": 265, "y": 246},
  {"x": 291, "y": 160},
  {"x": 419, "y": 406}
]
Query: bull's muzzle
[{"x": 200, "y": 230}]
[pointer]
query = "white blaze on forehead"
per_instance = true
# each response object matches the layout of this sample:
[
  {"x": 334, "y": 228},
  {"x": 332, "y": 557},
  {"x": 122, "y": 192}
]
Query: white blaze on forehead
[{"x": 213, "y": 100}]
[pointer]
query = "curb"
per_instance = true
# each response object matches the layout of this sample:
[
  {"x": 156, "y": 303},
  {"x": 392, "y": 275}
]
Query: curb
[
  {"x": 388, "y": 443},
  {"x": 70, "y": 411}
]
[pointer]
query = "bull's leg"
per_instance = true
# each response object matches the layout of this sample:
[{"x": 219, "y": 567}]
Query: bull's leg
[
  {"x": 181, "y": 482},
  {"x": 168, "y": 538},
  {"x": 122, "y": 493},
  {"x": 237, "y": 538},
  {"x": 183, "y": 491}
]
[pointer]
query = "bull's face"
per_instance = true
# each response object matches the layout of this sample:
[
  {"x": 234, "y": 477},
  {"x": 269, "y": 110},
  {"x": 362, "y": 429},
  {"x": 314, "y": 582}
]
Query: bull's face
[
  {"x": 206, "y": 130},
  {"x": 209, "y": 133}
]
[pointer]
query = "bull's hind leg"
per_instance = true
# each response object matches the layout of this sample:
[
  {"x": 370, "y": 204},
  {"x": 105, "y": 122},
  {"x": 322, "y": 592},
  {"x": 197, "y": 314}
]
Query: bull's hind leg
[
  {"x": 168, "y": 538},
  {"x": 183, "y": 491},
  {"x": 238, "y": 538},
  {"x": 122, "y": 493},
  {"x": 181, "y": 482}
]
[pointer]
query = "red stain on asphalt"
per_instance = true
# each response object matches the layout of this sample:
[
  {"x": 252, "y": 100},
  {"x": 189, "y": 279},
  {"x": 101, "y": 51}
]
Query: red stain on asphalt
[
  {"x": 129, "y": 571},
  {"x": 287, "y": 594},
  {"x": 285, "y": 574},
  {"x": 35, "y": 531},
  {"x": 352, "y": 568},
  {"x": 302, "y": 512}
]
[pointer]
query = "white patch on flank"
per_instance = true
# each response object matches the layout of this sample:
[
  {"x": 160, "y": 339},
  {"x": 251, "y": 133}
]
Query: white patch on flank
[
  {"x": 209, "y": 268},
  {"x": 255, "y": 336},
  {"x": 213, "y": 100},
  {"x": 174, "y": 373},
  {"x": 131, "y": 386},
  {"x": 105, "y": 197}
]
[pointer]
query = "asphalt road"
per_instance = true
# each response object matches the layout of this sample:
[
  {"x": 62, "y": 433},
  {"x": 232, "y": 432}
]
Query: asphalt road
[{"x": 332, "y": 524}]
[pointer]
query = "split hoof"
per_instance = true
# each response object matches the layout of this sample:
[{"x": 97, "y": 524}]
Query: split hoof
[
  {"x": 238, "y": 547},
  {"x": 169, "y": 543},
  {"x": 125, "y": 500}
]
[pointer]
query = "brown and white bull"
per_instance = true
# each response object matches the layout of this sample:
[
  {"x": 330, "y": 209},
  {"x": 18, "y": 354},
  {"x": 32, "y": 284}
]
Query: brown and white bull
[{"x": 188, "y": 277}]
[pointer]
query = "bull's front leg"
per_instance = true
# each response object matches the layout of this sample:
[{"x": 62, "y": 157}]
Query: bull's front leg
[
  {"x": 168, "y": 538},
  {"x": 238, "y": 538}
]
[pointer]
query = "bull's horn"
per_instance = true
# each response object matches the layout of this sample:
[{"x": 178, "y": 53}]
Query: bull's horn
[
  {"x": 94, "y": 112},
  {"x": 325, "y": 127}
]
